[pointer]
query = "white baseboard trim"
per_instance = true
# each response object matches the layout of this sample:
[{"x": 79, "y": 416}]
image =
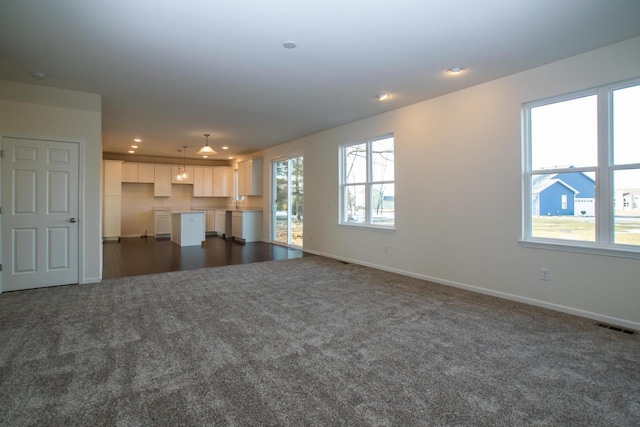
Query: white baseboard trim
[
  {"x": 525, "y": 300},
  {"x": 88, "y": 280}
]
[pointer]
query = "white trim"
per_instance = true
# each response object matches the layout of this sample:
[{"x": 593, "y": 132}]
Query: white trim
[
  {"x": 368, "y": 183},
  {"x": 363, "y": 226},
  {"x": 273, "y": 208},
  {"x": 81, "y": 212},
  {"x": 583, "y": 248},
  {"x": 504, "y": 295},
  {"x": 604, "y": 207}
]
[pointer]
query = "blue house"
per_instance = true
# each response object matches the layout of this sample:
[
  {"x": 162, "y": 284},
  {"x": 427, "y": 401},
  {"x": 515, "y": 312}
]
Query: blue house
[{"x": 563, "y": 194}]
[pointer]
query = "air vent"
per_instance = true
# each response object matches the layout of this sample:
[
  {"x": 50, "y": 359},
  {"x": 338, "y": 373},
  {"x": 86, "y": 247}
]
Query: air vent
[{"x": 617, "y": 328}]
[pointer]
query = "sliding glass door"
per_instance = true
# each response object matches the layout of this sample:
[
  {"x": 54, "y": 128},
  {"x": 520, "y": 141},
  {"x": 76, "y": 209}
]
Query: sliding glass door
[{"x": 289, "y": 201}]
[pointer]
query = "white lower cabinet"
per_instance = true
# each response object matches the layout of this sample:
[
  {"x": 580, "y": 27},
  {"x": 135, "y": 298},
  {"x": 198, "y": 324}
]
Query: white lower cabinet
[
  {"x": 162, "y": 223},
  {"x": 210, "y": 223},
  {"x": 220, "y": 225},
  {"x": 246, "y": 225},
  {"x": 112, "y": 217}
]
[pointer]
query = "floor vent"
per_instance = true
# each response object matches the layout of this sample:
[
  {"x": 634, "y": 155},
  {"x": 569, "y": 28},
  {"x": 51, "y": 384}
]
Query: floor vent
[
  {"x": 345, "y": 262},
  {"x": 617, "y": 328}
]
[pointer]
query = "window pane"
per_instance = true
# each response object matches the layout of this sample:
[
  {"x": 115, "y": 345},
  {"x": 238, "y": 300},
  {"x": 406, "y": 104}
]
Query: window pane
[
  {"x": 626, "y": 206},
  {"x": 354, "y": 204},
  {"x": 356, "y": 163},
  {"x": 563, "y": 206},
  {"x": 626, "y": 125},
  {"x": 382, "y": 159},
  {"x": 565, "y": 134},
  {"x": 383, "y": 204}
]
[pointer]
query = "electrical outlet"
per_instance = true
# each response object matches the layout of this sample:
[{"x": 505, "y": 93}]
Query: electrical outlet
[{"x": 544, "y": 274}]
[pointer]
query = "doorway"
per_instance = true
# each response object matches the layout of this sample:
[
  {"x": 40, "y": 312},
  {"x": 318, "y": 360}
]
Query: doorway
[
  {"x": 40, "y": 206},
  {"x": 288, "y": 206}
]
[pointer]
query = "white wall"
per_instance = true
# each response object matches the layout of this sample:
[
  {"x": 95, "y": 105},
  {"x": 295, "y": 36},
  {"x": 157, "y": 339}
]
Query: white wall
[
  {"x": 458, "y": 194},
  {"x": 41, "y": 112}
]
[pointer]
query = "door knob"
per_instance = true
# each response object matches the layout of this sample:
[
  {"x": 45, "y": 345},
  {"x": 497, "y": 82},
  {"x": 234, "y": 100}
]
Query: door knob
[{"x": 72, "y": 220}]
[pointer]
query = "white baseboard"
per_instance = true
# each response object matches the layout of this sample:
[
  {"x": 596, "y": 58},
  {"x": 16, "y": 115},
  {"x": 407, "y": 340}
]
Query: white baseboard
[{"x": 531, "y": 301}]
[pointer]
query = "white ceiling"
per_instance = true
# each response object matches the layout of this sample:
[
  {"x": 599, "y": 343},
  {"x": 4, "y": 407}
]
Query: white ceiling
[{"x": 170, "y": 71}]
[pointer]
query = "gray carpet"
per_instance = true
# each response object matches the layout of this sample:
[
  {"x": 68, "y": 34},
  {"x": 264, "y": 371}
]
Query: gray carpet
[{"x": 304, "y": 342}]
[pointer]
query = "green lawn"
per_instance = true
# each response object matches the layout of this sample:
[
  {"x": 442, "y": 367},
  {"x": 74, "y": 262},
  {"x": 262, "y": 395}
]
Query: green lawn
[{"x": 584, "y": 229}]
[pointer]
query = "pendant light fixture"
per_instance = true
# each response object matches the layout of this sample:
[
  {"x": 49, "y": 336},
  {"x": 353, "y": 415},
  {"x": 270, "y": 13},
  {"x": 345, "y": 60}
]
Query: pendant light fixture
[
  {"x": 182, "y": 170},
  {"x": 206, "y": 150}
]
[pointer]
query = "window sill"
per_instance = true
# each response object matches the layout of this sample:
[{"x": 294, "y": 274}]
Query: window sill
[
  {"x": 367, "y": 227},
  {"x": 583, "y": 248}
]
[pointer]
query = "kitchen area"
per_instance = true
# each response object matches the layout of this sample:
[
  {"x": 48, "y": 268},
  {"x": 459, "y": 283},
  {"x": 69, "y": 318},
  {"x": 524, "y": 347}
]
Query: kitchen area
[{"x": 182, "y": 203}]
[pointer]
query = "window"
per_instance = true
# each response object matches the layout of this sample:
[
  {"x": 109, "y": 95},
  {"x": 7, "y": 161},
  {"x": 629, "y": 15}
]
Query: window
[
  {"x": 367, "y": 189},
  {"x": 582, "y": 170}
]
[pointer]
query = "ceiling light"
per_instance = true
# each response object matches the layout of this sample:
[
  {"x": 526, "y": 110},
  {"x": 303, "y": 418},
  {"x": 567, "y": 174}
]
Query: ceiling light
[
  {"x": 131, "y": 151},
  {"x": 230, "y": 157},
  {"x": 205, "y": 157},
  {"x": 225, "y": 148},
  {"x": 137, "y": 140},
  {"x": 382, "y": 96},
  {"x": 38, "y": 76},
  {"x": 206, "y": 150},
  {"x": 455, "y": 70},
  {"x": 134, "y": 146},
  {"x": 289, "y": 44}
]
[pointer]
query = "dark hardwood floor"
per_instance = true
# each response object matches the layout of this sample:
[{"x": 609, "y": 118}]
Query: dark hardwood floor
[{"x": 136, "y": 256}]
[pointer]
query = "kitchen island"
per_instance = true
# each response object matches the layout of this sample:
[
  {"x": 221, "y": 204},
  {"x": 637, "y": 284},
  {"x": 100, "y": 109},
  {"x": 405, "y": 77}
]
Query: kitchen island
[{"x": 187, "y": 227}]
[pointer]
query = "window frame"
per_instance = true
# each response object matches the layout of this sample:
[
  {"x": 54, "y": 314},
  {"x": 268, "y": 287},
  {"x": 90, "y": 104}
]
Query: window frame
[
  {"x": 368, "y": 184},
  {"x": 604, "y": 171}
]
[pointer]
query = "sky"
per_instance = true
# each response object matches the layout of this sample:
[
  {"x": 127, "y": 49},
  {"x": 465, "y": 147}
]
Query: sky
[{"x": 565, "y": 134}]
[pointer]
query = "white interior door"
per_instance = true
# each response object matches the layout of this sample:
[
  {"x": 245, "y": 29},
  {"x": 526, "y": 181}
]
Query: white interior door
[{"x": 40, "y": 213}]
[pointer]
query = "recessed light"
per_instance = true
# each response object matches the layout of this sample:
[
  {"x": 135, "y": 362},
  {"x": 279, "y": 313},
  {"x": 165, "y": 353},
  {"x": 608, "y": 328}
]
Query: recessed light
[
  {"x": 205, "y": 157},
  {"x": 137, "y": 140},
  {"x": 225, "y": 148},
  {"x": 131, "y": 151},
  {"x": 455, "y": 70},
  {"x": 382, "y": 96},
  {"x": 289, "y": 44},
  {"x": 230, "y": 157},
  {"x": 134, "y": 146},
  {"x": 38, "y": 76}
]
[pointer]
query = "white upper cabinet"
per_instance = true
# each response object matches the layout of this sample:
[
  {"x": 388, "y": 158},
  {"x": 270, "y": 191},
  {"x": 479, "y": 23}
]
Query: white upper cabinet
[
  {"x": 129, "y": 172},
  {"x": 208, "y": 181},
  {"x": 202, "y": 181},
  {"x": 137, "y": 172},
  {"x": 198, "y": 181},
  {"x": 162, "y": 181},
  {"x": 223, "y": 181},
  {"x": 146, "y": 173},
  {"x": 250, "y": 177},
  {"x": 112, "y": 177}
]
